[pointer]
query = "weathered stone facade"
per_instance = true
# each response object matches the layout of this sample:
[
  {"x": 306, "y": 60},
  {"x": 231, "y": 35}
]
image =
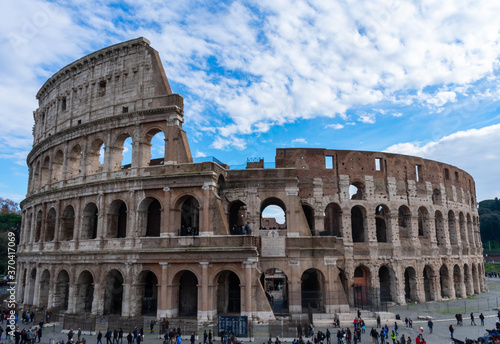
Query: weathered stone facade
[{"x": 156, "y": 236}]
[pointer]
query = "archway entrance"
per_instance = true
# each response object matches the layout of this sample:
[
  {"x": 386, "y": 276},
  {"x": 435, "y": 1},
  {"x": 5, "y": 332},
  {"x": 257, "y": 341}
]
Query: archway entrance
[
  {"x": 312, "y": 287},
  {"x": 188, "y": 295},
  {"x": 228, "y": 293},
  {"x": 410, "y": 285},
  {"x": 113, "y": 293},
  {"x": 84, "y": 292},
  {"x": 428, "y": 284},
  {"x": 149, "y": 284},
  {"x": 61, "y": 295},
  {"x": 275, "y": 284}
]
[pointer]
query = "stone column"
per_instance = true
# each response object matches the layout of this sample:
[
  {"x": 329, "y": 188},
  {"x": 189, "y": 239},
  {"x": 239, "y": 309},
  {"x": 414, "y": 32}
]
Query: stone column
[
  {"x": 205, "y": 229},
  {"x": 72, "y": 298},
  {"x": 203, "y": 308},
  {"x": 249, "y": 264},
  {"x": 294, "y": 285},
  {"x": 126, "y": 300},
  {"x": 98, "y": 300},
  {"x": 163, "y": 296}
]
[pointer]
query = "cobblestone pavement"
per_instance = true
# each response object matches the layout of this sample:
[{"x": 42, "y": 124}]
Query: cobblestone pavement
[{"x": 442, "y": 313}]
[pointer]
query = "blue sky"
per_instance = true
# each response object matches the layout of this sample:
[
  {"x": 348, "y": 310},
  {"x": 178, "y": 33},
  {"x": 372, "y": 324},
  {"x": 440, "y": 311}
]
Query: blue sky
[{"x": 419, "y": 78}]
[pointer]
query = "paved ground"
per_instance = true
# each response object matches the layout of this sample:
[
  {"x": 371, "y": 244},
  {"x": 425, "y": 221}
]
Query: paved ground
[{"x": 443, "y": 314}]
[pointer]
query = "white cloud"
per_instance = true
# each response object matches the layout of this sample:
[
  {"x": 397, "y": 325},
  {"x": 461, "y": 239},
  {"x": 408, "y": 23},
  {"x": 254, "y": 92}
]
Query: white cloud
[
  {"x": 366, "y": 118},
  {"x": 199, "y": 154},
  {"x": 475, "y": 151},
  {"x": 299, "y": 140},
  {"x": 228, "y": 144},
  {"x": 334, "y": 126}
]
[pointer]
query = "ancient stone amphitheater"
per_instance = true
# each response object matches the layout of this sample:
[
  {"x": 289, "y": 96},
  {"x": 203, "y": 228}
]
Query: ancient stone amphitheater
[{"x": 169, "y": 237}]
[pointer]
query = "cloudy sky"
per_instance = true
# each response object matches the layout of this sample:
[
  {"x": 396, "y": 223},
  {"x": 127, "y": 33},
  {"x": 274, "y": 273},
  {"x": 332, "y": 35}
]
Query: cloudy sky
[{"x": 413, "y": 77}]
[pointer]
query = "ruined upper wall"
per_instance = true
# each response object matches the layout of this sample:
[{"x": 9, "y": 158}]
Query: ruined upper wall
[{"x": 122, "y": 78}]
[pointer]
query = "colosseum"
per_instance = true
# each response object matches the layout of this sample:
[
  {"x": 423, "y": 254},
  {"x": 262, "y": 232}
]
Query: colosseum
[{"x": 172, "y": 238}]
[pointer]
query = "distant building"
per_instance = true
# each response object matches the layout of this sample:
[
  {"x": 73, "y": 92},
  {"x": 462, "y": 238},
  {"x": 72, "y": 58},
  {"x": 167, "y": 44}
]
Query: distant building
[{"x": 153, "y": 237}]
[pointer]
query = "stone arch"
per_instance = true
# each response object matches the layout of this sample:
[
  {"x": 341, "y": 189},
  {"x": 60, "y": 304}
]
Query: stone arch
[
  {"x": 452, "y": 228},
  {"x": 457, "y": 281},
  {"x": 117, "y": 219},
  {"x": 228, "y": 292},
  {"x": 68, "y": 223},
  {"x": 237, "y": 216},
  {"x": 113, "y": 292},
  {"x": 74, "y": 162},
  {"x": 36, "y": 175},
  {"x": 61, "y": 292},
  {"x": 429, "y": 285},
  {"x": 117, "y": 156},
  {"x": 387, "y": 282},
  {"x": 475, "y": 285},
  {"x": 404, "y": 222},
  {"x": 309, "y": 215},
  {"x": 186, "y": 295},
  {"x": 189, "y": 220},
  {"x": 43, "y": 300},
  {"x": 148, "y": 290},
  {"x": 333, "y": 220},
  {"x": 38, "y": 225},
  {"x": 221, "y": 185},
  {"x": 45, "y": 171},
  {"x": 275, "y": 284},
  {"x": 362, "y": 286},
  {"x": 154, "y": 152},
  {"x": 90, "y": 221},
  {"x": 50, "y": 225},
  {"x": 470, "y": 230},
  {"x": 382, "y": 223},
  {"x": 313, "y": 290},
  {"x": 149, "y": 216},
  {"x": 95, "y": 163},
  {"x": 463, "y": 230},
  {"x": 411, "y": 293},
  {"x": 271, "y": 223},
  {"x": 57, "y": 166},
  {"x": 440, "y": 230},
  {"x": 467, "y": 280},
  {"x": 84, "y": 292},
  {"x": 359, "y": 224},
  {"x": 357, "y": 190},
  {"x": 444, "y": 280},
  {"x": 423, "y": 223}
]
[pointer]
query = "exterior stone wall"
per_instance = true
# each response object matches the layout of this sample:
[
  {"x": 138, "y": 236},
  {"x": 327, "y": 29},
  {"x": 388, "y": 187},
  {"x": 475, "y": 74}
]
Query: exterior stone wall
[{"x": 157, "y": 236}]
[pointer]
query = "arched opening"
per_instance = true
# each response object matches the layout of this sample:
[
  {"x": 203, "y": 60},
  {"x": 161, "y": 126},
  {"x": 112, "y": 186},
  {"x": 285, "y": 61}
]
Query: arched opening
[
  {"x": 411, "y": 285},
  {"x": 67, "y": 223},
  {"x": 439, "y": 225},
  {"x": 45, "y": 171},
  {"x": 150, "y": 217},
  {"x": 452, "y": 228},
  {"x": 117, "y": 220},
  {"x": 50, "y": 226},
  {"x": 358, "y": 224},
  {"x": 43, "y": 300},
  {"x": 444, "y": 280},
  {"x": 74, "y": 162},
  {"x": 428, "y": 283},
  {"x": 463, "y": 231},
  {"x": 113, "y": 293},
  {"x": 361, "y": 287},
  {"x": 84, "y": 292},
  {"x": 467, "y": 280},
  {"x": 333, "y": 220},
  {"x": 436, "y": 197},
  {"x": 149, "y": 284},
  {"x": 382, "y": 222},
  {"x": 38, "y": 226},
  {"x": 357, "y": 191},
  {"x": 475, "y": 285},
  {"x": 237, "y": 217},
  {"x": 457, "y": 281},
  {"x": 312, "y": 286},
  {"x": 190, "y": 217},
  {"x": 188, "y": 295},
  {"x": 57, "y": 166},
  {"x": 387, "y": 284},
  {"x": 423, "y": 223},
  {"x": 36, "y": 176},
  {"x": 228, "y": 293},
  {"x": 470, "y": 232},
  {"x": 61, "y": 294},
  {"x": 221, "y": 186},
  {"x": 95, "y": 163},
  {"x": 121, "y": 157},
  {"x": 89, "y": 222},
  {"x": 275, "y": 284},
  {"x": 156, "y": 154},
  {"x": 404, "y": 222},
  {"x": 309, "y": 214},
  {"x": 273, "y": 214}
]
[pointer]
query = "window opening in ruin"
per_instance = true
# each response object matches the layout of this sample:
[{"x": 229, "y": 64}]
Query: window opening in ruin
[
  {"x": 221, "y": 185},
  {"x": 357, "y": 191},
  {"x": 61, "y": 294},
  {"x": 404, "y": 222},
  {"x": 329, "y": 162},
  {"x": 188, "y": 295},
  {"x": 410, "y": 285},
  {"x": 117, "y": 220},
  {"x": 89, "y": 222},
  {"x": 452, "y": 228},
  {"x": 50, "y": 227},
  {"x": 74, "y": 163},
  {"x": 43, "y": 301},
  {"x": 358, "y": 224},
  {"x": 361, "y": 287},
  {"x": 57, "y": 167},
  {"x": 125, "y": 109},
  {"x": 332, "y": 220},
  {"x": 95, "y": 163},
  {"x": 446, "y": 174},
  {"x": 385, "y": 279},
  {"x": 113, "y": 293},
  {"x": 127, "y": 153},
  {"x": 275, "y": 284},
  {"x": 457, "y": 281},
  {"x": 428, "y": 284},
  {"x": 63, "y": 104},
  {"x": 102, "y": 89},
  {"x": 439, "y": 225},
  {"x": 423, "y": 222},
  {"x": 45, "y": 171},
  {"x": 436, "y": 197},
  {"x": 149, "y": 294},
  {"x": 38, "y": 225},
  {"x": 468, "y": 285},
  {"x": 228, "y": 294},
  {"x": 381, "y": 223},
  {"x": 153, "y": 222},
  {"x": 68, "y": 223},
  {"x": 309, "y": 214},
  {"x": 238, "y": 219},
  {"x": 312, "y": 290},
  {"x": 157, "y": 149},
  {"x": 190, "y": 217},
  {"x": 456, "y": 176},
  {"x": 444, "y": 282},
  {"x": 378, "y": 164},
  {"x": 273, "y": 216},
  {"x": 418, "y": 172},
  {"x": 79, "y": 121},
  {"x": 84, "y": 293}
]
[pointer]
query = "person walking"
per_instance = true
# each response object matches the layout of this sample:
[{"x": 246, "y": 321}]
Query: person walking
[
  {"x": 430, "y": 324},
  {"x": 393, "y": 337},
  {"x": 452, "y": 330},
  {"x": 472, "y": 321},
  {"x": 99, "y": 337},
  {"x": 481, "y": 317}
]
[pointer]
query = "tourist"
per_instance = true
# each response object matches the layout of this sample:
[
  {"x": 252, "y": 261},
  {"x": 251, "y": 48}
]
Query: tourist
[
  {"x": 481, "y": 317},
  {"x": 430, "y": 324},
  {"x": 452, "y": 330}
]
